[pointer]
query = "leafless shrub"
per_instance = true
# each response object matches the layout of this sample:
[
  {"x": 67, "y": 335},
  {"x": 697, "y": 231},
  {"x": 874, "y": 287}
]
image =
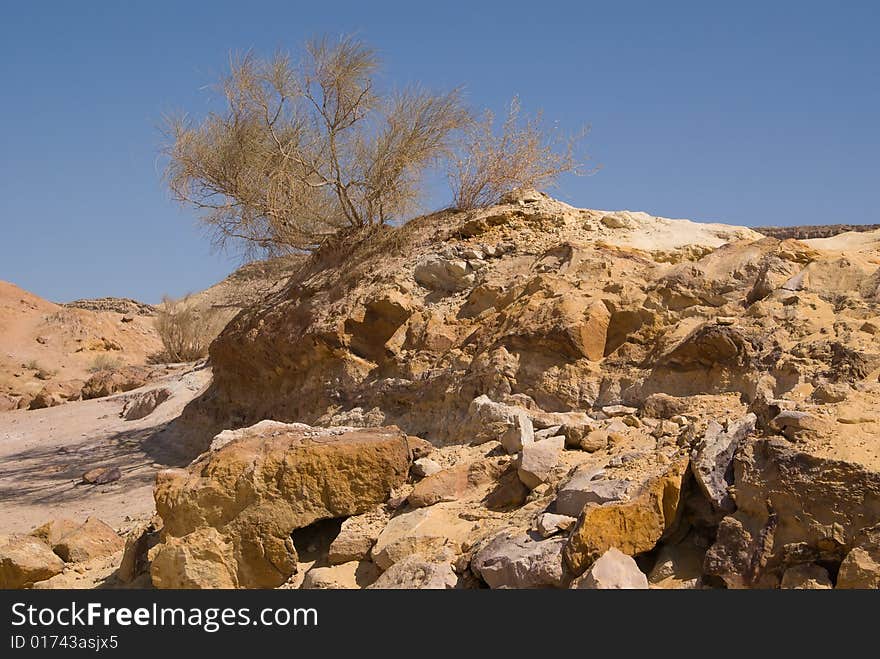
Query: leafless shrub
[
  {"x": 305, "y": 149},
  {"x": 105, "y": 363},
  {"x": 524, "y": 154},
  {"x": 186, "y": 331}
]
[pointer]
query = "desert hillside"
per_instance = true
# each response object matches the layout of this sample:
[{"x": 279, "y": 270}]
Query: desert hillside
[
  {"x": 57, "y": 348},
  {"x": 525, "y": 395}
]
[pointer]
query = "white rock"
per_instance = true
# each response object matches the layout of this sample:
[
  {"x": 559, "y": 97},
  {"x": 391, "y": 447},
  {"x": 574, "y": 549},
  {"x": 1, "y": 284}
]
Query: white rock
[
  {"x": 549, "y": 524},
  {"x": 612, "y": 570},
  {"x": 425, "y": 467},
  {"x": 537, "y": 460},
  {"x": 519, "y": 434}
]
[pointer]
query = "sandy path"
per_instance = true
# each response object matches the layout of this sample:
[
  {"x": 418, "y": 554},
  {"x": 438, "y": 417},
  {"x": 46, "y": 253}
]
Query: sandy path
[{"x": 43, "y": 454}]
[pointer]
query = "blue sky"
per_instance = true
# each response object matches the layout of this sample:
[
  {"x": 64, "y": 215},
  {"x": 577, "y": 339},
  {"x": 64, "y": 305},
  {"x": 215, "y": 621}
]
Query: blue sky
[{"x": 748, "y": 113}]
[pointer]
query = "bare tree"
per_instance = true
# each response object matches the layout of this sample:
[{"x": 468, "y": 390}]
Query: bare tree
[
  {"x": 524, "y": 154},
  {"x": 303, "y": 150}
]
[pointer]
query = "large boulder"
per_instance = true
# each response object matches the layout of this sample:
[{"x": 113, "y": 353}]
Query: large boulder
[
  {"x": 861, "y": 566},
  {"x": 634, "y": 525},
  {"x": 260, "y": 486},
  {"x": 25, "y": 560}
]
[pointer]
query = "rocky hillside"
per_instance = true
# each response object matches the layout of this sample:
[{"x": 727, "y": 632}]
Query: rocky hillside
[
  {"x": 533, "y": 395},
  {"x": 50, "y": 351},
  {"x": 595, "y": 399}
]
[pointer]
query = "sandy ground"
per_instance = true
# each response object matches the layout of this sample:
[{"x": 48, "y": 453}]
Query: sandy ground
[{"x": 43, "y": 454}]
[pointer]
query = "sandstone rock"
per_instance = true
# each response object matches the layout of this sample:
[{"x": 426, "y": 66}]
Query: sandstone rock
[
  {"x": 202, "y": 559},
  {"x": 135, "y": 557},
  {"x": 708, "y": 346},
  {"x": 55, "y": 393},
  {"x": 418, "y": 447},
  {"x": 101, "y": 475},
  {"x": 612, "y": 570},
  {"x": 633, "y": 526},
  {"x": 425, "y": 467},
  {"x": 618, "y": 410},
  {"x": 488, "y": 420},
  {"x": 549, "y": 524},
  {"x": 829, "y": 392},
  {"x": 807, "y": 576},
  {"x": 712, "y": 459},
  {"x": 357, "y": 536},
  {"x": 735, "y": 556},
  {"x": 791, "y": 422},
  {"x": 25, "y": 560},
  {"x": 415, "y": 573},
  {"x": 105, "y": 383},
  {"x": 538, "y": 459},
  {"x": 514, "y": 560},
  {"x": 258, "y": 488},
  {"x": 520, "y": 433},
  {"x": 860, "y": 569},
  {"x": 509, "y": 493},
  {"x": 93, "y": 538},
  {"x": 552, "y": 431},
  {"x": 861, "y": 566},
  {"x": 436, "y": 532},
  {"x": 144, "y": 404},
  {"x": 664, "y": 406},
  {"x": 595, "y": 440},
  {"x": 55, "y": 529},
  {"x": 581, "y": 489},
  {"x": 678, "y": 566},
  {"x": 447, "y": 275},
  {"x": 792, "y": 507},
  {"x": 571, "y": 324},
  {"x": 453, "y": 483},
  {"x": 345, "y": 576}
]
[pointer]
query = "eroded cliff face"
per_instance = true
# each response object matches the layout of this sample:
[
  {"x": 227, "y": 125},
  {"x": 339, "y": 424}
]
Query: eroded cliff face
[
  {"x": 555, "y": 307},
  {"x": 595, "y": 386},
  {"x": 531, "y": 298}
]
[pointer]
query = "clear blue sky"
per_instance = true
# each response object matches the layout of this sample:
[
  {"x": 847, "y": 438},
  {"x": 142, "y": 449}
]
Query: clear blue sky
[{"x": 748, "y": 113}]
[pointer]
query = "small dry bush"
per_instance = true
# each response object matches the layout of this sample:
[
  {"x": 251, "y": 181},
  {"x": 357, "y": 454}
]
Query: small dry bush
[
  {"x": 523, "y": 154},
  {"x": 103, "y": 363},
  {"x": 185, "y": 330}
]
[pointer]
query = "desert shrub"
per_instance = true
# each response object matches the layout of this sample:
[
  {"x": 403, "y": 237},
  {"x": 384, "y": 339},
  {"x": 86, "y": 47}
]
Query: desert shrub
[
  {"x": 306, "y": 148},
  {"x": 310, "y": 151},
  {"x": 523, "y": 154},
  {"x": 185, "y": 330},
  {"x": 105, "y": 363}
]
